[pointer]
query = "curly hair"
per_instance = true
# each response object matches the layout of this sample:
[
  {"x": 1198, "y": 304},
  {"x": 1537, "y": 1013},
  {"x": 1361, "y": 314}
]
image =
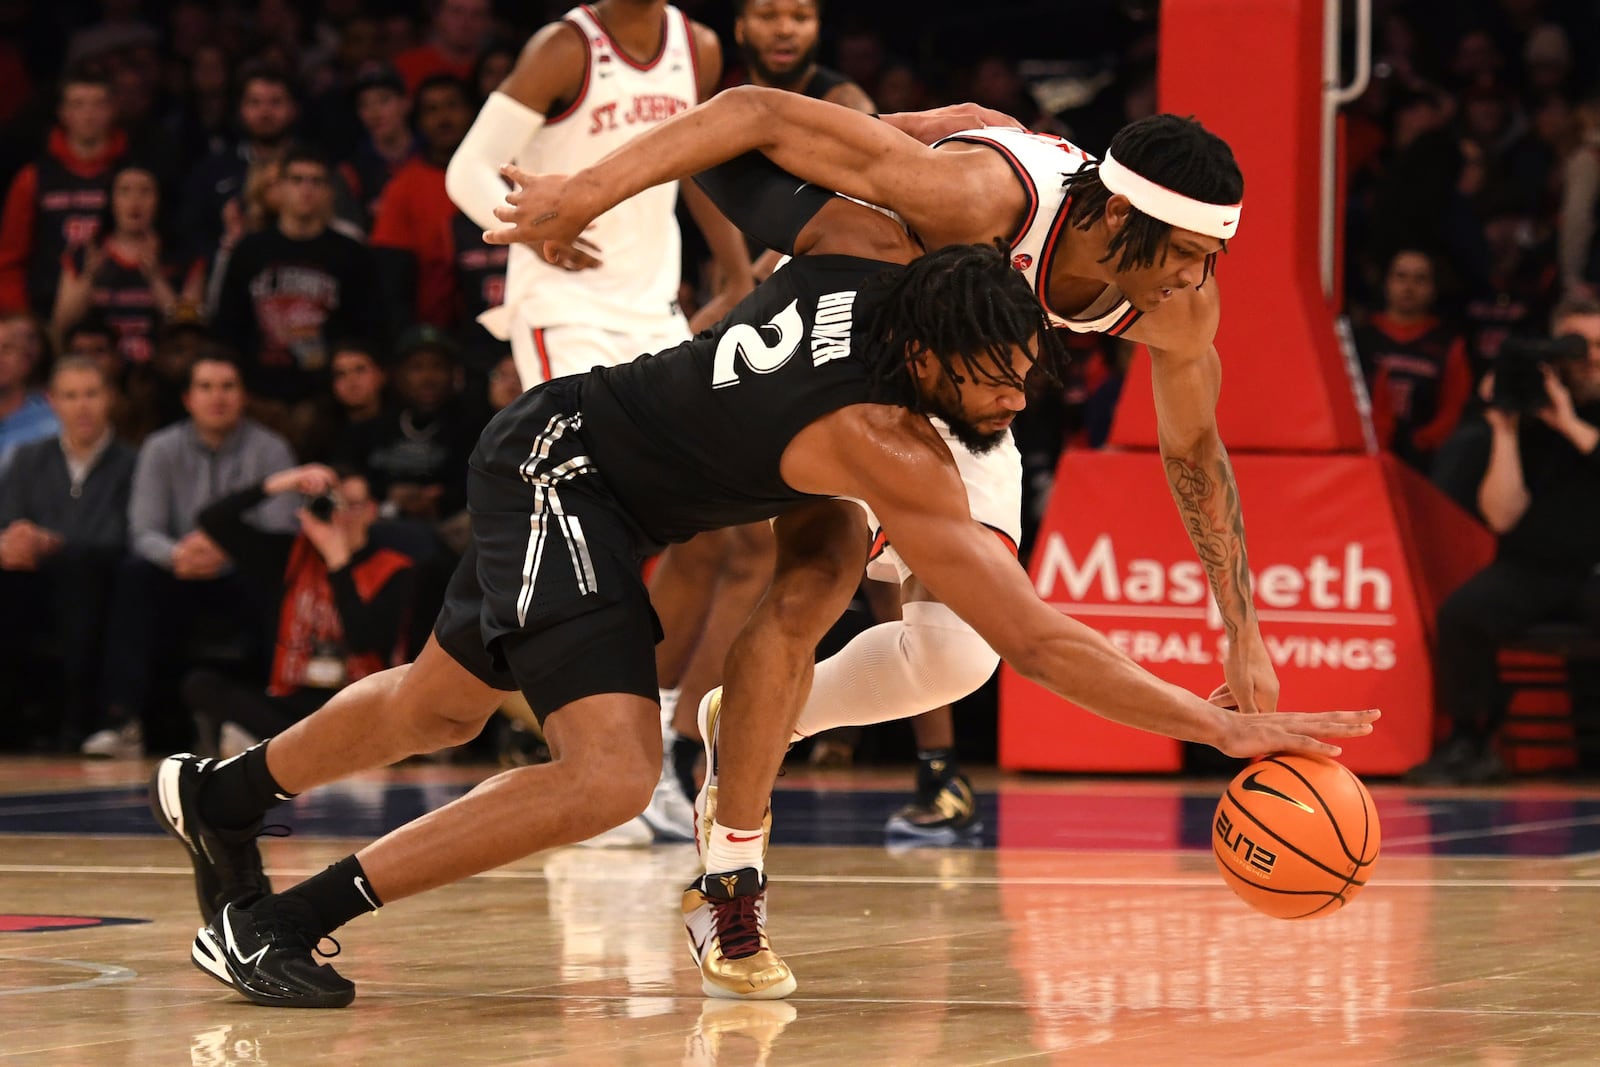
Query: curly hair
[{"x": 969, "y": 309}]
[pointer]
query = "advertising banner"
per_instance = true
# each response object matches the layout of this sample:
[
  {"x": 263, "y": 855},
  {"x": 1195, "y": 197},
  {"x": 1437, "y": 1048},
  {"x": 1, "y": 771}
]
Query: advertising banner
[{"x": 1340, "y": 614}]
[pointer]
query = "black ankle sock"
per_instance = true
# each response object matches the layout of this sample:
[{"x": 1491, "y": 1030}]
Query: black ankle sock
[
  {"x": 239, "y": 791},
  {"x": 935, "y": 766},
  {"x": 685, "y": 757},
  {"x": 335, "y": 896}
]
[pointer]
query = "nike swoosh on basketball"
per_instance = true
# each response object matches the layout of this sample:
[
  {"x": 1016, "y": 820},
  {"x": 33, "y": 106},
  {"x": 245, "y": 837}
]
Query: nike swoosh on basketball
[
  {"x": 233, "y": 948},
  {"x": 1250, "y": 785}
]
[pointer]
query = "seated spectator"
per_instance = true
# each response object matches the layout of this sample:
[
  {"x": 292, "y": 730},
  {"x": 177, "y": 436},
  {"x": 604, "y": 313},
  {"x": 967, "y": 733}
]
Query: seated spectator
[
  {"x": 1520, "y": 289},
  {"x": 199, "y": 119},
  {"x": 177, "y": 577},
  {"x": 266, "y": 115},
  {"x": 364, "y": 413},
  {"x": 55, "y": 203},
  {"x": 459, "y": 33},
  {"x": 387, "y": 142},
  {"x": 492, "y": 69},
  {"x": 504, "y": 385},
  {"x": 253, "y": 210},
  {"x": 1415, "y": 365},
  {"x": 415, "y": 215},
  {"x": 1539, "y": 490},
  {"x": 63, "y": 528},
  {"x": 92, "y": 339},
  {"x": 152, "y": 393},
  {"x": 25, "y": 414},
  {"x": 288, "y": 291},
  {"x": 342, "y": 604},
  {"x": 127, "y": 274},
  {"x": 420, "y": 455}
]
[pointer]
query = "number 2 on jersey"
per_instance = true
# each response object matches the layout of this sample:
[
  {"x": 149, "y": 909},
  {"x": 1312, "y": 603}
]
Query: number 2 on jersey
[{"x": 751, "y": 343}]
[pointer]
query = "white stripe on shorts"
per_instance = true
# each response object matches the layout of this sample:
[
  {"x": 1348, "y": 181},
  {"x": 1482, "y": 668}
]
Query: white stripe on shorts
[{"x": 547, "y": 502}]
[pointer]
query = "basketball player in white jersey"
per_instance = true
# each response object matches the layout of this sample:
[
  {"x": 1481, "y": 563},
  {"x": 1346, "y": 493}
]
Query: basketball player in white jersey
[
  {"x": 1124, "y": 246},
  {"x": 778, "y": 41},
  {"x": 583, "y": 86}
]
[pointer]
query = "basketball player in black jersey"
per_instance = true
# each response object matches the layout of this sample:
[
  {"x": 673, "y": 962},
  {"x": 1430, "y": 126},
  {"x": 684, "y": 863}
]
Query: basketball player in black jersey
[
  {"x": 818, "y": 385},
  {"x": 1126, "y": 245}
]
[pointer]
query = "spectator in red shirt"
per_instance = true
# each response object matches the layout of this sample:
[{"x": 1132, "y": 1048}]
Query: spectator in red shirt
[
  {"x": 416, "y": 214},
  {"x": 459, "y": 34},
  {"x": 1415, "y": 364},
  {"x": 55, "y": 203}
]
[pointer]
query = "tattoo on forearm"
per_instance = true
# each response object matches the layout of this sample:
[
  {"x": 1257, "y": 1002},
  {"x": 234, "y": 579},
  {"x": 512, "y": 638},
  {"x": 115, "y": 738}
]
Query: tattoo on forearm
[{"x": 1208, "y": 501}]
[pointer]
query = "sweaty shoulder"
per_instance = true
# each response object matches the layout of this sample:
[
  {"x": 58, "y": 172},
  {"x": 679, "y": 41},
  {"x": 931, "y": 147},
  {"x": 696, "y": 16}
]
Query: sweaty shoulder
[
  {"x": 997, "y": 191},
  {"x": 863, "y": 450},
  {"x": 1185, "y": 323},
  {"x": 550, "y": 69}
]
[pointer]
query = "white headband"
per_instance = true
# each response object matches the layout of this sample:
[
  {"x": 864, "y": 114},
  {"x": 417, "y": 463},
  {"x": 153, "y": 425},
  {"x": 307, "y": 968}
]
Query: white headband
[{"x": 1159, "y": 202}]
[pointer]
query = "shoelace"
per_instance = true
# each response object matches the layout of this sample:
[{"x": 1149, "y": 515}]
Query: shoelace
[
  {"x": 738, "y": 928},
  {"x": 247, "y": 863},
  {"x": 279, "y": 924}
]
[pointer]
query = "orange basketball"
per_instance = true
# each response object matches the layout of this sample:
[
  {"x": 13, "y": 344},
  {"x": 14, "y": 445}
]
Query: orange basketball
[{"x": 1296, "y": 836}]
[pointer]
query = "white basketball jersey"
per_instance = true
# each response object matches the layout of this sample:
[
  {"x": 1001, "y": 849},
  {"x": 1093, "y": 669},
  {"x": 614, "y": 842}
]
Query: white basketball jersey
[
  {"x": 1041, "y": 161},
  {"x": 636, "y": 288}
]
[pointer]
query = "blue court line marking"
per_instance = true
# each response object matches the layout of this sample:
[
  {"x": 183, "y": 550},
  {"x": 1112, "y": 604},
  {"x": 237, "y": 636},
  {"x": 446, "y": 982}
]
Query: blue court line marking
[{"x": 1463, "y": 827}]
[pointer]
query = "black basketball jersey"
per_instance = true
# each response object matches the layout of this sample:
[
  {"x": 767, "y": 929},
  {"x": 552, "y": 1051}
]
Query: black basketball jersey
[
  {"x": 67, "y": 210},
  {"x": 823, "y": 81},
  {"x": 690, "y": 439}
]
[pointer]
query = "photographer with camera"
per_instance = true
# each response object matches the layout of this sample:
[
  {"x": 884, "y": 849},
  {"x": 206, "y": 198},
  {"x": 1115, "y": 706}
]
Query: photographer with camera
[
  {"x": 1539, "y": 490},
  {"x": 342, "y": 604}
]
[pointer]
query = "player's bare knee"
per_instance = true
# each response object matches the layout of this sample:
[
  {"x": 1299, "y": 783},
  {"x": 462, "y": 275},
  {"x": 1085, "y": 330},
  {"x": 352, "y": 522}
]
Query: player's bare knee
[
  {"x": 434, "y": 724},
  {"x": 801, "y": 610},
  {"x": 621, "y": 783}
]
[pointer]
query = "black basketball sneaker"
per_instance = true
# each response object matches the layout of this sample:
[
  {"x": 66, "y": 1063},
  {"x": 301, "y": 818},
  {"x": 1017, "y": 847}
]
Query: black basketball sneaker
[
  {"x": 265, "y": 951},
  {"x": 227, "y": 862}
]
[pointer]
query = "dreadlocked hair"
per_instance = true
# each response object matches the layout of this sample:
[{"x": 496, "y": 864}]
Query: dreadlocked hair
[
  {"x": 1169, "y": 150},
  {"x": 968, "y": 308}
]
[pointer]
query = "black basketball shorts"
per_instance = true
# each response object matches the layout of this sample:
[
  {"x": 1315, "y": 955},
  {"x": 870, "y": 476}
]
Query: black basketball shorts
[{"x": 548, "y": 598}]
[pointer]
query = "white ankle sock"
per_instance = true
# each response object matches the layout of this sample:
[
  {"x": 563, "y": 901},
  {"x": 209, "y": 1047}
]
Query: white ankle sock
[{"x": 733, "y": 849}]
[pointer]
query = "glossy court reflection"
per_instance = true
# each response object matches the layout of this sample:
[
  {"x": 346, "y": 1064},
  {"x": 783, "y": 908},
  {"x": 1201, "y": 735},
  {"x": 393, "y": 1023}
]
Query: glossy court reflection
[{"x": 1096, "y": 932}]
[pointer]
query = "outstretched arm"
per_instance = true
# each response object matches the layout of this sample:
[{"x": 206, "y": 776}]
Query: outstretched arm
[
  {"x": 1187, "y": 377},
  {"x": 909, "y": 480},
  {"x": 965, "y": 189}
]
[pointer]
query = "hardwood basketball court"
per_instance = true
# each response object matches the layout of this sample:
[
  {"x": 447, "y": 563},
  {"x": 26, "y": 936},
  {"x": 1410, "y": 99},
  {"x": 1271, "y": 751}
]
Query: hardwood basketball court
[{"x": 1090, "y": 928}]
